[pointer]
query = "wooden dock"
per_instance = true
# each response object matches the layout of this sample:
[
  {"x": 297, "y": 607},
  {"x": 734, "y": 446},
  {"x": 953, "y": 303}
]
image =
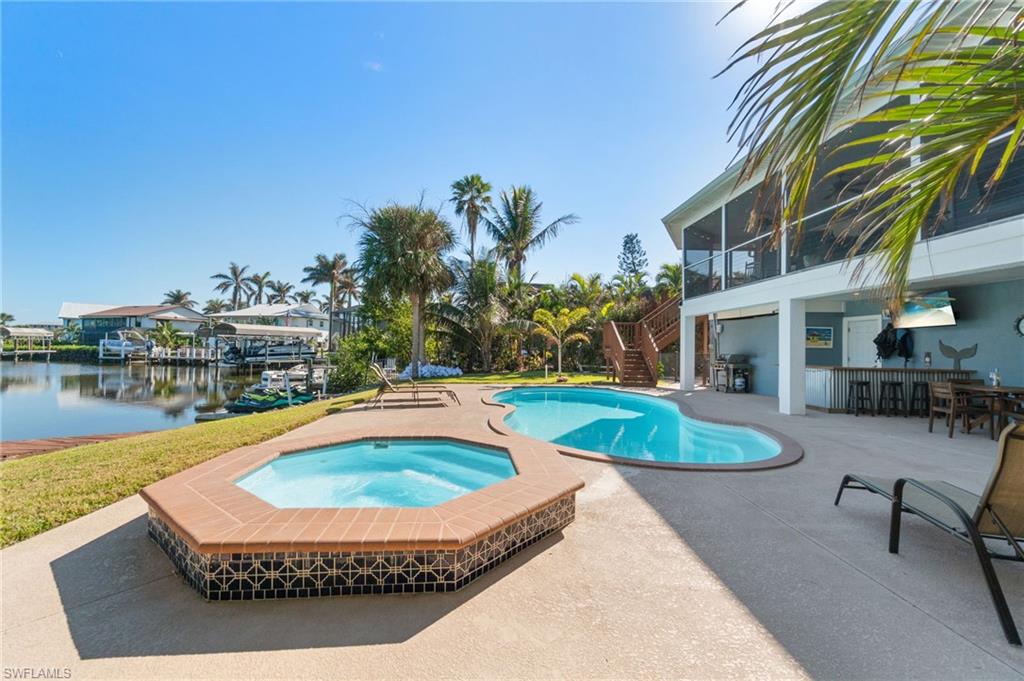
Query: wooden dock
[{"x": 17, "y": 449}]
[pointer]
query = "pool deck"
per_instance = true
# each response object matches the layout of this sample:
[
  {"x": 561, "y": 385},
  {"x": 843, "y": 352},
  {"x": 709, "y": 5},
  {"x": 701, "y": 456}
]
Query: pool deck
[{"x": 663, "y": 574}]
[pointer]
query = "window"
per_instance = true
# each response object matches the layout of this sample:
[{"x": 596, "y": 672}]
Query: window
[
  {"x": 702, "y": 278},
  {"x": 703, "y": 238},
  {"x": 752, "y": 262},
  {"x": 737, "y": 219}
]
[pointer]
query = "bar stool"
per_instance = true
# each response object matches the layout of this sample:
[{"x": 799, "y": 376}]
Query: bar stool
[
  {"x": 858, "y": 396},
  {"x": 919, "y": 399},
  {"x": 890, "y": 399}
]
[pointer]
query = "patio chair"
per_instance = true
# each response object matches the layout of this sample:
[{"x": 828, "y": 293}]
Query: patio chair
[
  {"x": 414, "y": 389},
  {"x": 997, "y": 515}
]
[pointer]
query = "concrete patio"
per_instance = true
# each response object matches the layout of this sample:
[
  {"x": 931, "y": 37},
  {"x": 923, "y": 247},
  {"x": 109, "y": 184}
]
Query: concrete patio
[{"x": 663, "y": 574}]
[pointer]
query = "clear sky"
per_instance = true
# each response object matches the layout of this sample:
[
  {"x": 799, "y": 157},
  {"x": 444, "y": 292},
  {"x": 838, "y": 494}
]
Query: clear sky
[{"x": 147, "y": 145}]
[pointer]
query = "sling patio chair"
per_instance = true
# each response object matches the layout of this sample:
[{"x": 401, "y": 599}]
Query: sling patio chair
[
  {"x": 414, "y": 389},
  {"x": 993, "y": 523}
]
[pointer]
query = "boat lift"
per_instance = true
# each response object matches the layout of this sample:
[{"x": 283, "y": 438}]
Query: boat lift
[
  {"x": 36, "y": 342},
  {"x": 262, "y": 345}
]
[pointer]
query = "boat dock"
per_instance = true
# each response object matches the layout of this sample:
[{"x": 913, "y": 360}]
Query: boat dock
[{"x": 28, "y": 343}]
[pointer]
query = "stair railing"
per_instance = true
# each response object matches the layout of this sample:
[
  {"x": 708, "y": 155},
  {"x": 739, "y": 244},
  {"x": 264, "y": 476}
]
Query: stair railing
[
  {"x": 649, "y": 349},
  {"x": 614, "y": 348},
  {"x": 662, "y": 319}
]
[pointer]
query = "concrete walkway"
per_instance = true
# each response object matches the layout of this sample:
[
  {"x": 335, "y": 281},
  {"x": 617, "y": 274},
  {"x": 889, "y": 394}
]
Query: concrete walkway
[{"x": 663, "y": 574}]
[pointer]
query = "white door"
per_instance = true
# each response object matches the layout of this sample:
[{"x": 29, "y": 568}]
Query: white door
[{"x": 859, "y": 340}]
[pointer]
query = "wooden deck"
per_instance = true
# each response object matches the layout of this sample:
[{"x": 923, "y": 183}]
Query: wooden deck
[{"x": 17, "y": 449}]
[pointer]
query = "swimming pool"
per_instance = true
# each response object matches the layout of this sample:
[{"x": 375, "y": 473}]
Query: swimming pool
[
  {"x": 631, "y": 426},
  {"x": 387, "y": 473}
]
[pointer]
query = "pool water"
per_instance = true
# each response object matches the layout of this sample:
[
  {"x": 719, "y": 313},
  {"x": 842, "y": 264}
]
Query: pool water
[
  {"x": 380, "y": 473},
  {"x": 630, "y": 426}
]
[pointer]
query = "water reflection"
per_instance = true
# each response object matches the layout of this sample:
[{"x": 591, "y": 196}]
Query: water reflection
[{"x": 45, "y": 400}]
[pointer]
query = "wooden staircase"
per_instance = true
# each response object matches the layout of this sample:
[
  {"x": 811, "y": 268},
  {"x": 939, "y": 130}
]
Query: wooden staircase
[{"x": 631, "y": 348}]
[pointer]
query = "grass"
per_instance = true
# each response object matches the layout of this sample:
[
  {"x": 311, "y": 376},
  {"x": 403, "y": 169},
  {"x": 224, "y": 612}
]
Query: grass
[
  {"x": 40, "y": 492},
  {"x": 585, "y": 378}
]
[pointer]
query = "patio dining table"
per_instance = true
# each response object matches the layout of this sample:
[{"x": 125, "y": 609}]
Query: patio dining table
[{"x": 1006, "y": 399}]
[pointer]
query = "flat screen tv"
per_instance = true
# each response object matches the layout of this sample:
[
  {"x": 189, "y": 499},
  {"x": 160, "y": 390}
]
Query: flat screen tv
[{"x": 930, "y": 309}]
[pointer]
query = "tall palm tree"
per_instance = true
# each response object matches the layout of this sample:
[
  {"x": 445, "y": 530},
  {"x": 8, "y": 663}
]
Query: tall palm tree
[
  {"x": 514, "y": 224},
  {"x": 333, "y": 271},
  {"x": 472, "y": 199},
  {"x": 6, "y": 318},
  {"x": 279, "y": 291},
  {"x": 403, "y": 252},
  {"x": 258, "y": 285},
  {"x": 215, "y": 305},
  {"x": 234, "y": 281},
  {"x": 950, "y": 76},
  {"x": 668, "y": 283},
  {"x": 179, "y": 297},
  {"x": 558, "y": 328},
  {"x": 303, "y": 297}
]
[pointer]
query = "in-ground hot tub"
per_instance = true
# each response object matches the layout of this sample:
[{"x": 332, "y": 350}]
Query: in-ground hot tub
[{"x": 366, "y": 514}]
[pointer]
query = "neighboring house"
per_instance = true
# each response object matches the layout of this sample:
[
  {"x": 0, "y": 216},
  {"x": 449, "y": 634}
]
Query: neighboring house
[
  {"x": 72, "y": 312},
  {"x": 764, "y": 298},
  {"x": 96, "y": 325},
  {"x": 305, "y": 315}
]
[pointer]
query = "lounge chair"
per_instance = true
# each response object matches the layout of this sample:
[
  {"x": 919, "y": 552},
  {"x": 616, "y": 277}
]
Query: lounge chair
[
  {"x": 997, "y": 515},
  {"x": 414, "y": 389}
]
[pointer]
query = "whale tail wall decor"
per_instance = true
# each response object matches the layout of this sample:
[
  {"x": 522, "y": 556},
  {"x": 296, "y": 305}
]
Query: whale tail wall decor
[{"x": 957, "y": 355}]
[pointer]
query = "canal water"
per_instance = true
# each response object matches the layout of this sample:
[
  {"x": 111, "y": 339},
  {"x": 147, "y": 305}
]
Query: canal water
[{"x": 39, "y": 400}]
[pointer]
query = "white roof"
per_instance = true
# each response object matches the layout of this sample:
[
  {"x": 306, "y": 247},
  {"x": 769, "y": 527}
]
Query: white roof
[
  {"x": 24, "y": 332},
  {"x": 305, "y": 310},
  {"x": 260, "y": 331},
  {"x": 76, "y": 310}
]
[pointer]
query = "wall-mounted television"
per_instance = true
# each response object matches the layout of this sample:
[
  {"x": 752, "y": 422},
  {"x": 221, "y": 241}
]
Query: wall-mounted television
[{"x": 930, "y": 309}]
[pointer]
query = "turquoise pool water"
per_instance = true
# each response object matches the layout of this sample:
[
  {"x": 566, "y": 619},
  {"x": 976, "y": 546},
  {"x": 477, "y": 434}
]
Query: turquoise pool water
[
  {"x": 384, "y": 473},
  {"x": 630, "y": 426}
]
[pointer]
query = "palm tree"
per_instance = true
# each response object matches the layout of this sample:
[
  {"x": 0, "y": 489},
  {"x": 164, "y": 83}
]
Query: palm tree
[
  {"x": 258, "y": 285},
  {"x": 6, "y": 318},
  {"x": 165, "y": 335},
  {"x": 215, "y": 305},
  {"x": 668, "y": 283},
  {"x": 71, "y": 332},
  {"x": 627, "y": 287},
  {"x": 477, "y": 311},
  {"x": 472, "y": 199},
  {"x": 402, "y": 252},
  {"x": 558, "y": 329},
  {"x": 515, "y": 226},
  {"x": 303, "y": 297},
  {"x": 180, "y": 298},
  {"x": 279, "y": 291},
  {"x": 234, "y": 281},
  {"x": 949, "y": 74},
  {"x": 333, "y": 271}
]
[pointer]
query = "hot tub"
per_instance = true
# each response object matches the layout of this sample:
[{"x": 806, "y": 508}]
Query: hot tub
[{"x": 363, "y": 514}]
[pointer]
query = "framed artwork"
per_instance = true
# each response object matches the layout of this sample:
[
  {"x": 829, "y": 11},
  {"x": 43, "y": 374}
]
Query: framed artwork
[{"x": 818, "y": 337}]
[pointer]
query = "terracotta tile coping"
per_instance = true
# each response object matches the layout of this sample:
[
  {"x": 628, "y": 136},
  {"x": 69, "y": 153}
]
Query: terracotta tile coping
[
  {"x": 790, "y": 451},
  {"x": 214, "y": 515}
]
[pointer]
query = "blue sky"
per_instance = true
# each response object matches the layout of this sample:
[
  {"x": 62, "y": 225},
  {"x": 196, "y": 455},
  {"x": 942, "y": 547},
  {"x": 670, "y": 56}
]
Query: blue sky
[{"x": 147, "y": 145}]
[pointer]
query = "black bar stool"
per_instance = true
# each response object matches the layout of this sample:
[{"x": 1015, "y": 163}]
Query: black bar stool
[
  {"x": 858, "y": 396},
  {"x": 919, "y": 398},
  {"x": 891, "y": 400}
]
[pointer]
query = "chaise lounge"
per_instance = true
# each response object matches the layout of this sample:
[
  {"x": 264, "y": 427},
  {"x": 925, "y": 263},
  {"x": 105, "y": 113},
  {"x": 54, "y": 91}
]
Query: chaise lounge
[
  {"x": 414, "y": 389},
  {"x": 993, "y": 523}
]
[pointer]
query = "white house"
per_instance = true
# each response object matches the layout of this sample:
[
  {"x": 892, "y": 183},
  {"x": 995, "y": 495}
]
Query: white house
[
  {"x": 96, "y": 325},
  {"x": 796, "y": 311},
  {"x": 279, "y": 314}
]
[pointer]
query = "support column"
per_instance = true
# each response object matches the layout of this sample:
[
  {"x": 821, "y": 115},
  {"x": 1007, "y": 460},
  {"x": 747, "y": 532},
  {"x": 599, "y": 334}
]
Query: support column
[
  {"x": 792, "y": 357},
  {"x": 687, "y": 351}
]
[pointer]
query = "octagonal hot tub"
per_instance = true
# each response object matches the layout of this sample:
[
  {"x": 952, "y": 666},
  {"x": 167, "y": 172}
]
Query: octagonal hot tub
[{"x": 360, "y": 513}]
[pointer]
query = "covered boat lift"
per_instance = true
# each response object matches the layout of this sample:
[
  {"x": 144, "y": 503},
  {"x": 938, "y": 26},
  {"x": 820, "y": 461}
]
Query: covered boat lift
[
  {"x": 36, "y": 341},
  {"x": 263, "y": 344}
]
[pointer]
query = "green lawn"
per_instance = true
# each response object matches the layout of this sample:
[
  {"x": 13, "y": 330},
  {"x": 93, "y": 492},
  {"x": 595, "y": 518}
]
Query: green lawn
[
  {"x": 524, "y": 377},
  {"x": 44, "y": 491}
]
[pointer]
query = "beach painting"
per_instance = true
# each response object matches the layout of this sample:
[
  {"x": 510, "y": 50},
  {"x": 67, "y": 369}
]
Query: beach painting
[{"x": 818, "y": 337}]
